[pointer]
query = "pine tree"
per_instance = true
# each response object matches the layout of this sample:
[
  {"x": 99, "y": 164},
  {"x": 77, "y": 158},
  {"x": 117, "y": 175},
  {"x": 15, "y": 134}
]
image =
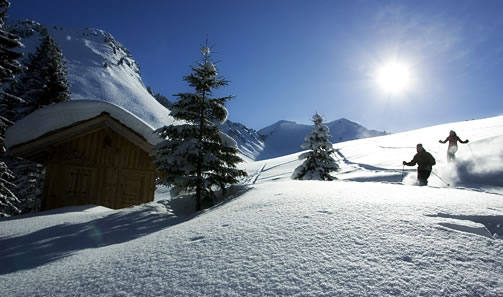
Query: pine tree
[
  {"x": 8, "y": 200},
  {"x": 56, "y": 88},
  {"x": 196, "y": 156},
  {"x": 29, "y": 178},
  {"x": 44, "y": 82},
  {"x": 318, "y": 160},
  {"x": 26, "y": 85},
  {"x": 9, "y": 66}
]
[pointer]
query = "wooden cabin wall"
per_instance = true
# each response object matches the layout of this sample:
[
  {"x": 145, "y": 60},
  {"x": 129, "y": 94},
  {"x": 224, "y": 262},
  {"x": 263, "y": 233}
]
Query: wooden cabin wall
[{"x": 100, "y": 167}]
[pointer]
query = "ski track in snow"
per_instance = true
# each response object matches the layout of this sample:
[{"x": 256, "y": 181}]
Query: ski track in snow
[{"x": 253, "y": 179}]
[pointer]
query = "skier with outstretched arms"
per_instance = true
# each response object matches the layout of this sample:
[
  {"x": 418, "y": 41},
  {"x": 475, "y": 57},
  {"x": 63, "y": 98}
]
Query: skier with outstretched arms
[{"x": 453, "y": 139}]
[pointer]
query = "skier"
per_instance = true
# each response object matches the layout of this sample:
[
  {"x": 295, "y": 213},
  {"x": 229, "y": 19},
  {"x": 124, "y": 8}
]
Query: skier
[
  {"x": 453, "y": 145},
  {"x": 425, "y": 161}
]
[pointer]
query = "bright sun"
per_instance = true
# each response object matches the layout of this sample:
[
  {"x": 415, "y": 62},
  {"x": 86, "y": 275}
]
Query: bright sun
[{"x": 394, "y": 77}]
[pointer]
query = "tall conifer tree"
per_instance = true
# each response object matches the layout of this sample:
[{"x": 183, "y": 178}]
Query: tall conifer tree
[
  {"x": 9, "y": 66},
  {"x": 196, "y": 157},
  {"x": 44, "y": 82}
]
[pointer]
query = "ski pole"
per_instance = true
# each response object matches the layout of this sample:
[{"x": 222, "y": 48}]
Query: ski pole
[
  {"x": 440, "y": 178},
  {"x": 471, "y": 151},
  {"x": 473, "y": 155}
]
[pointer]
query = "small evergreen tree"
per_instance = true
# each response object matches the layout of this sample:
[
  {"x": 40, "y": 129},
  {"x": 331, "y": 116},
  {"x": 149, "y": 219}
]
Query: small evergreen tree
[
  {"x": 318, "y": 160},
  {"x": 9, "y": 66},
  {"x": 197, "y": 156}
]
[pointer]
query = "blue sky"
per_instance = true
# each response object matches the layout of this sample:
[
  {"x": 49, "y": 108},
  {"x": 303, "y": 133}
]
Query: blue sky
[{"x": 288, "y": 59}]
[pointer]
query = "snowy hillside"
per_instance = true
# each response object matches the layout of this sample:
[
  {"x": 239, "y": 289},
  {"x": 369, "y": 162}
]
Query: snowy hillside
[
  {"x": 99, "y": 68},
  {"x": 366, "y": 234},
  {"x": 249, "y": 142},
  {"x": 285, "y": 137}
]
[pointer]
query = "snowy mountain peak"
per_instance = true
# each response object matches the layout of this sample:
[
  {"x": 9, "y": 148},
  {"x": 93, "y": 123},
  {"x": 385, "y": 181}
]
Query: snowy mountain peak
[
  {"x": 286, "y": 137},
  {"x": 106, "y": 49},
  {"x": 99, "y": 68},
  {"x": 280, "y": 125}
]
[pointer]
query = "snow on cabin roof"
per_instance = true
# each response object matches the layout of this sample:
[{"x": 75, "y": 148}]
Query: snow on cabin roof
[{"x": 57, "y": 116}]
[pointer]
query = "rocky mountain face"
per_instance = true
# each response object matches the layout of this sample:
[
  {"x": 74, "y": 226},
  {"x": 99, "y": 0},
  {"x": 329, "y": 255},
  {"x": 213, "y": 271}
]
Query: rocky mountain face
[{"x": 250, "y": 142}]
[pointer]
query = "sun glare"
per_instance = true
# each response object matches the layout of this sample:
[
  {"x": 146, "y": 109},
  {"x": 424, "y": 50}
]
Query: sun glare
[{"x": 394, "y": 77}]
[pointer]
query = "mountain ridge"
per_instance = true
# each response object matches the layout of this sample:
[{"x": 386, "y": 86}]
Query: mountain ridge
[
  {"x": 285, "y": 137},
  {"x": 101, "y": 68}
]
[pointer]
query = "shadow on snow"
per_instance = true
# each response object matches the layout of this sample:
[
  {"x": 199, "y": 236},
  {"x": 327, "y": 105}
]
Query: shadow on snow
[
  {"x": 56, "y": 242},
  {"x": 50, "y": 244}
]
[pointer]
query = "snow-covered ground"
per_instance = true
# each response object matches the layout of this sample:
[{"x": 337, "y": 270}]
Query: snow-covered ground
[{"x": 366, "y": 234}]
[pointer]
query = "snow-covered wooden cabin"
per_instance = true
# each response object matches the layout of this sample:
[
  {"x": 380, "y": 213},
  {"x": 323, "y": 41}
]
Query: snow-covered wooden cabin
[{"x": 94, "y": 152}]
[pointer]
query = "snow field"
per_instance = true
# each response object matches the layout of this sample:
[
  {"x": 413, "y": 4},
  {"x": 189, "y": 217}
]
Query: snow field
[{"x": 289, "y": 238}]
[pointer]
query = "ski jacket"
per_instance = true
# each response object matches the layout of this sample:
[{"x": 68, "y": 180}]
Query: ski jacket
[{"x": 423, "y": 159}]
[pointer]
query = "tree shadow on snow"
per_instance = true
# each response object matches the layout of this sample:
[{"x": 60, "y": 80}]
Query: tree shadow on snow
[{"x": 50, "y": 244}]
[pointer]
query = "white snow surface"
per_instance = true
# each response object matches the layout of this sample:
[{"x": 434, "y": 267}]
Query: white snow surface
[
  {"x": 365, "y": 234},
  {"x": 56, "y": 116}
]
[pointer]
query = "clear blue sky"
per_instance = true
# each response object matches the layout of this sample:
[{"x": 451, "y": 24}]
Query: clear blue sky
[{"x": 288, "y": 59}]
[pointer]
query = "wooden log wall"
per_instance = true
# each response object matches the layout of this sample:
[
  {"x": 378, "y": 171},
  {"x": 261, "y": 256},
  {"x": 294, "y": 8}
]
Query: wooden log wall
[{"x": 100, "y": 167}]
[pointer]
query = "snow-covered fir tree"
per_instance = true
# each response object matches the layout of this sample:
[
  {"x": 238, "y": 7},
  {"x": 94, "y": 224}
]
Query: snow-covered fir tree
[
  {"x": 196, "y": 157},
  {"x": 319, "y": 162},
  {"x": 56, "y": 88},
  {"x": 8, "y": 200},
  {"x": 28, "y": 84},
  {"x": 42, "y": 81},
  {"x": 29, "y": 178},
  {"x": 9, "y": 66}
]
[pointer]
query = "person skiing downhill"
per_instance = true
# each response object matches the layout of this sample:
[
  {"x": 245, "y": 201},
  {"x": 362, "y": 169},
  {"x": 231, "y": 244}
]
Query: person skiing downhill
[
  {"x": 453, "y": 139},
  {"x": 425, "y": 162}
]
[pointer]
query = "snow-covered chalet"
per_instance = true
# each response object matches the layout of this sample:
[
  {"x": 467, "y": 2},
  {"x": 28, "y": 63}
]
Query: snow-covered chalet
[{"x": 94, "y": 153}]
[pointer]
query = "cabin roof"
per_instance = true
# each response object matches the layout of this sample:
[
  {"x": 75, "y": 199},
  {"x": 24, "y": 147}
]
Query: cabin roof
[
  {"x": 33, "y": 135},
  {"x": 55, "y": 117}
]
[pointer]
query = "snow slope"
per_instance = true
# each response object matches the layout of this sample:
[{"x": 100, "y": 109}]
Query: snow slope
[
  {"x": 365, "y": 234},
  {"x": 99, "y": 68}
]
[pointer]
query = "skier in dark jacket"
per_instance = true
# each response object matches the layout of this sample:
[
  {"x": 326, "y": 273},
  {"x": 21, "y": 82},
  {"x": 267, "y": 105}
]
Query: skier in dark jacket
[
  {"x": 453, "y": 145},
  {"x": 425, "y": 162}
]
